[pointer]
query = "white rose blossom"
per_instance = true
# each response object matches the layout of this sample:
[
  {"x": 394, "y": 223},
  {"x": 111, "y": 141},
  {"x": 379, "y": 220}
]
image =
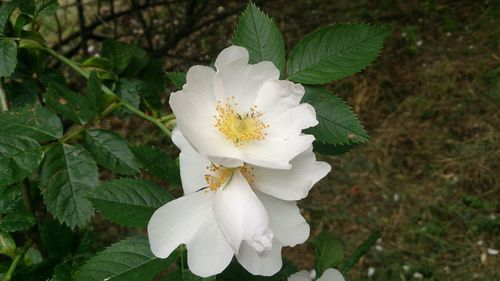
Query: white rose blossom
[
  {"x": 330, "y": 274},
  {"x": 247, "y": 211},
  {"x": 242, "y": 113}
]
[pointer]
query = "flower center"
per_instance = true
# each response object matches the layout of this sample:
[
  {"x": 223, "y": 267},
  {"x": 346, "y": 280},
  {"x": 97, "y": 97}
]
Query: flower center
[
  {"x": 237, "y": 128},
  {"x": 218, "y": 175}
]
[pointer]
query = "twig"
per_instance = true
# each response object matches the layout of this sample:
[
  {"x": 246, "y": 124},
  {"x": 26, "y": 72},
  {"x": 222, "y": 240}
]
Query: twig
[
  {"x": 185, "y": 32},
  {"x": 112, "y": 11},
  {"x": 144, "y": 24},
  {"x": 81, "y": 21},
  {"x": 59, "y": 29},
  {"x": 91, "y": 27}
]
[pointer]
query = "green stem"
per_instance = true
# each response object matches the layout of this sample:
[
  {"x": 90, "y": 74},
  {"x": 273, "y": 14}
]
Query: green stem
[
  {"x": 171, "y": 124},
  {"x": 15, "y": 262},
  {"x": 114, "y": 105},
  {"x": 69, "y": 63},
  {"x": 71, "y": 133},
  {"x": 77, "y": 129},
  {"x": 108, "y": 91},
  {"x": 4, "y": 106},
  {"x": 153, "y": 120},
  {"x": 167, "y": 118}
]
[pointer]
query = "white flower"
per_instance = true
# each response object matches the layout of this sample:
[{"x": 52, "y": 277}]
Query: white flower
[
  {"x": 243, "y": 113},
  {"x": 248, "y": 212},
  {"x": 330, "y": 274}
]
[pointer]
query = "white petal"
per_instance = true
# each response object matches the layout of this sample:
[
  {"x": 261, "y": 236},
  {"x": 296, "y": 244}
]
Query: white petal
[
  {"x": 190, "y": 220},
  {"x": 230, "y": 55},
  {"x": 199, "y": 79},
  {"x": 178, "y": 221},
  {"x": 195, "y": 119},
  {"x": 208, "y": 252},
  {"x": 276, "y": 154},
  {"x": 302, "y": 275},
  {"x": 243, "y": 82},
  {"x": 258, "y": 264},
  {"x": 193, "y": 165},
  {"x": 290, "y": 123},
  {"x": 292, "y": 184},
  {"x": 278, "y": 96},
  {"x": 241, "y": 216},
  {"x": 285, "y": 220},
  {"x": 331, "y": 274}
]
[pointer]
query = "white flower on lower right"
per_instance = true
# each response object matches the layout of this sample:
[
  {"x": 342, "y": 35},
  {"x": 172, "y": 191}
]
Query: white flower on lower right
[
  {"x": 330, "y": 274},
  {"x": 249, "y": 212}
]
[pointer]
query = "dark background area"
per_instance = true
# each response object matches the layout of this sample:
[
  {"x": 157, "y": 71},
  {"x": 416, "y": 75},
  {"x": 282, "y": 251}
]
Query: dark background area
[{"x": 428, "y": 178}]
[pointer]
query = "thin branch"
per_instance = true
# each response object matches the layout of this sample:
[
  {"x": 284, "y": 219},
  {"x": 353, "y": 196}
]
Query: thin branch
[
  {"x": 144, "y": 24},
  {"x": 95, "y": 24},
  {"x": 185, "y": 32},
  {"x": 112, "y": 11},
  {"x": 59, "y": 28},
  {"x": 81, "y": 21}
]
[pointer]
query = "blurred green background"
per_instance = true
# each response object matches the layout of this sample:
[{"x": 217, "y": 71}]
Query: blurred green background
[{"x": 429, "y": 177}]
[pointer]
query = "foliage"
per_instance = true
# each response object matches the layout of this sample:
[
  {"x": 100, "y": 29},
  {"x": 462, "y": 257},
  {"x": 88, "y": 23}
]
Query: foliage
[{"x": 54, "y": 152}]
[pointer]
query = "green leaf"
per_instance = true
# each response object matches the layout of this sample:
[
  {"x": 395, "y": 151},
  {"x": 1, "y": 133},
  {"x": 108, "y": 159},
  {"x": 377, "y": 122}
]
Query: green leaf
[
  {"x": 63, "y": 272},
  {"x": 158, "y": 163},
  {"x": 10, "y": 199},
  {"x": 328, "y": 252},
  {"x": 337, "y": 123},
  {"x": 26, "y": 6},
  {"x": 129, "y": 90},
  {"x": 8, "y": 56},
  {"x": 6, "y": 10},
  {"x": 127, "y": 260},
  {"x": 120, "y": 55},
  {"x": 69, "y": 104},
  {"x": 177, "y": 78},
  {"x": 68, "y": 174},
  {"x": 129, "y": 202},
  {"x": 261, "y": 37},
  {"x": 19, "y": 157},
  {"x": 16, "y": 221},
  {"x": 139, "y": 60},
  {"x": 353, "y": 259},
  {"x": 111, "y": 151},
  {"x": 7, "y": 245},
  {"x": 47, "y": 7},
  {"x": 335, "y": 52},
  {"x": 154, "y": 75},
  {"x": 332, "y": 149},
  {"x": 21, "y": 21},
  {"x": 21, "y": 94},
  {"x": 57, "y": 239},
  {"x": 94, "y": 94},
  {"x": 34, "y": 122}
]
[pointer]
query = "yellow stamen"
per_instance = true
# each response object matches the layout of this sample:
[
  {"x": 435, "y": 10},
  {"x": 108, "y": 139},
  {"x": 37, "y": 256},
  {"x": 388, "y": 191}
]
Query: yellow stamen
[
  {"x": 236, "y": 128},
  {"x": 218, "y": 175}
]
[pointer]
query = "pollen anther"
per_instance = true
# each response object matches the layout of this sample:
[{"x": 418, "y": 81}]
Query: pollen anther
[{"x": 237, "y": 128}]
